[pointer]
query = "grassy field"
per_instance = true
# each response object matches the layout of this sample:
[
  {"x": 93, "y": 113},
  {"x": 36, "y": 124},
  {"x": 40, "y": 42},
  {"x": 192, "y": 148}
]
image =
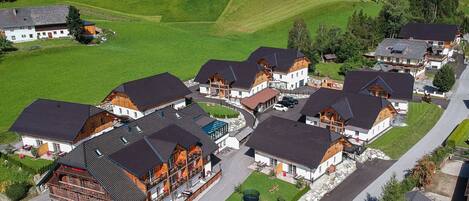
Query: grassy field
[
  {"x": 67, "y": 71},
  {"x": 170, "y": 10},
  {"x": 219, "y": 111},
  {"x": 12, "y": 173},
  {"x": 421, "y": 118},
  {"x": 35, "y": 164},
  {"x": 460, "y": 135},
  {"x": 330, "y": 70},
  {"x": 263, "y": 184}
]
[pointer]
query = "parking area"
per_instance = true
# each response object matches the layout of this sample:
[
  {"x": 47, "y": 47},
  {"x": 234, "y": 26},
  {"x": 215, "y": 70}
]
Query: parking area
[{"x": 292, "y": 113}]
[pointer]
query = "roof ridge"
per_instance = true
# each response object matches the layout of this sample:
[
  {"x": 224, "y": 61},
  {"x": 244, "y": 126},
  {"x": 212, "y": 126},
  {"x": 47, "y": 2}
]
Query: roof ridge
[
  {"x": 153, "y": 148},
  {"x": 232, "y": 71}
]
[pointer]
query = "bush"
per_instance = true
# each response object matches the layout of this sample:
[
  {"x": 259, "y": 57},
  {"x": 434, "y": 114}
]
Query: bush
[
  {"x": 34, "y": 152},
  {"x": 300, "y": 183},
  {"x": 280, "y": 198},
  {"x": 238, "y": 188},
  {"x": 17, "y": 191},
  {"x": 301, "y": 193}
]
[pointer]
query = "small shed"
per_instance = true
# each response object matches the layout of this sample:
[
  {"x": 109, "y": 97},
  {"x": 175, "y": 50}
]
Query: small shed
[
  {"x": 330, "y": 57},
  {"x": 89, "y": 28}
]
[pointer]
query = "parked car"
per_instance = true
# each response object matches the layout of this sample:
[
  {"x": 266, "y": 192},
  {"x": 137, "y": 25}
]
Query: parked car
[
  {"x": 290, "y": 99},
  {"x": 280, "y": 107},
  {"x": 286, "y": 103}
]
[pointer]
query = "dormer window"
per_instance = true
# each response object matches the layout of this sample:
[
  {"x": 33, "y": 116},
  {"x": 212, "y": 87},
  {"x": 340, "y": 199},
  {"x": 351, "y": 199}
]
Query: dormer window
[
  {"x": 125, "y": 141},
  {"x": 98, "y": 153},
  {"x": 178, "y": 116}
]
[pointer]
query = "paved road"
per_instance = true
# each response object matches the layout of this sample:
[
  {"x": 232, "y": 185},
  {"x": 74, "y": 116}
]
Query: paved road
[
  {"x": 235, "y": 171},
  {"x": 457, "y": 111}
]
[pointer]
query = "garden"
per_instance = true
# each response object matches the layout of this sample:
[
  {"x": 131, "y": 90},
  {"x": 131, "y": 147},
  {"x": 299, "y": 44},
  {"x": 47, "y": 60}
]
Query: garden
[
  {"x": 269, "y": 188},
  {"x": 421, "y": 118},
  {"x": 219, "y": 111}
]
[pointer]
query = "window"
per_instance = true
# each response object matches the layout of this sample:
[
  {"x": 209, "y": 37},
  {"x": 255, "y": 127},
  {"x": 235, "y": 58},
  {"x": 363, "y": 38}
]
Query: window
[
  {"x": 357, "y": 133},
  {"x": 128, "y": 112},
  {"x": 388, "y": 59},
  {"x": 43, "y": 33},
  {"x": 296, "y": 74},
  {"x": 29, "y": 27},
  {"x": 56, "y": 147},
  {"x": 440, "y": 43},
  {"x": 98, "y": 153},
  {"x": 61, "y": 32},
  {"x": 135, "y": 114},
  {"x": 120, "y": 110},
  {"x": 397, "y": 60},
  {"x": 382, "y": 58},
  {"x": 39, "y": 142},
  {"x": 396, "y": 104},
  {"x": 319, "y": 168},
  {"x": 239, "y": 92},
  {"x": 280, "y": 76},
  {"x": 125, "y": 141},
  {"x": 55, "y": 32},
  {"x": 30, "y": 35},
  {"x": 408, "y": 61},
  {"x": 23, "y": 36},
  {"x": 291, "y": 75},
  {"x": 430, "y": 42},
  {"x": 13, "y": 37}
]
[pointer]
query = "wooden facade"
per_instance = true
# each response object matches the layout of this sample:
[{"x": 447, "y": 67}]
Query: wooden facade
[
  {"x": 75, "y": 184},
  {"x": 299, "y": 64},
  {"x": 96, "y": 124},
  {"x": 385, "y": 113},
  {"x": 330, "y": 119},
  {"x": 378, "y": 91},
  {"x": 218, "y": 86},
  {"x": 333, "y": 150},
  {"x": 122, "y": 100}
]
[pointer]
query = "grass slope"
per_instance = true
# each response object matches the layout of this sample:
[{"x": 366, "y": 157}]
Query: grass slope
[
  {"x": 67, "y": 71},
  {"x": 263, "y": 184},
  {"x": 171, "y": 10},
  {"x": 460, "y": 135},
  {"x": 330, "y": 70},
  {"x": 421, "y": 118}
]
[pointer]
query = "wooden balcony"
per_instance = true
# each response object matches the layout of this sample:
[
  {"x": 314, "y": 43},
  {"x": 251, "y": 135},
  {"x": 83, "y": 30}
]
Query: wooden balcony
[{"x": 335, "y": 126}]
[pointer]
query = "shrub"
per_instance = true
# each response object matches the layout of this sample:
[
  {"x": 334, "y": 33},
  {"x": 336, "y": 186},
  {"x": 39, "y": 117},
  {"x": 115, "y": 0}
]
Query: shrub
[
  {"x": 34, "y": 152},
  {"x": 17, "y": 191},
  {"x": 301, "y": 193},
  {"x": 300, "y": 183},
  {"x": 280, "y": 198},
  {"x": 238, "y": 188}
]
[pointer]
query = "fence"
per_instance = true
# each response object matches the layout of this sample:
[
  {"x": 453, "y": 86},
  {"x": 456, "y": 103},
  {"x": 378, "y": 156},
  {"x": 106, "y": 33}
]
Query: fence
[
  {"x": 204, "y": 187},
  {"x": 434, "y": 93}
]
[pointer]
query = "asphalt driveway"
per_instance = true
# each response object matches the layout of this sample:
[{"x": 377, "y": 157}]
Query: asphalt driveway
[{"x": 292, "y": 113}]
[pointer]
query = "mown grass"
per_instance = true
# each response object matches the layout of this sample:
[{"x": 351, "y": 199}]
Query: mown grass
[
  {"x": 33, "y": 163},
  {"x": 263, "y": 183},
  {"x": 460, "y": 135},
  {"x": 9, "y": 174},
  {"x": 66, "y": 71},
  {"x": 219, "y": 111},
  {"x": 330, "y": 70},
  {"x": 170, "y": 10},
  {"x": 8, "y": 137},
  {"x": 421, "y": 118}
]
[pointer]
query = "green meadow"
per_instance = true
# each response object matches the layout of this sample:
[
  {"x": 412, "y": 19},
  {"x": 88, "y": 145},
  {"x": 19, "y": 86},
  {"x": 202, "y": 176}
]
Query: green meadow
[{"x": 189, "y": 33}]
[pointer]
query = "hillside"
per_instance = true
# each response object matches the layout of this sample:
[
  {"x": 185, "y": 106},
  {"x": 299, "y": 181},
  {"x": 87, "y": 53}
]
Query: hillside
[{"x": 63, "y": 69}]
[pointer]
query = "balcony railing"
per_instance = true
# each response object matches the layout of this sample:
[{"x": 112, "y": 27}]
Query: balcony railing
[{"x": 155, "y": 180}]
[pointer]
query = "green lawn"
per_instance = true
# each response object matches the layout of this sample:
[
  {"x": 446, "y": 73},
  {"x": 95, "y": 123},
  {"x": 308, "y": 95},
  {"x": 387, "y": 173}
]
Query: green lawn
[
  {"x": 263, "y": 184},
  {"x": 461, "y": 134},
  {"x": 421, "y": 118},
  {"x": 8, "y": 137},
  {"x": 67, "y": 71},
  {"x": 170, "y": 10},
  {"x": 219, "y": 111},
  {"x": 35, "y": 164},
  {"x": 12, "y": 173},
  {"x": 330, "y": 70}
]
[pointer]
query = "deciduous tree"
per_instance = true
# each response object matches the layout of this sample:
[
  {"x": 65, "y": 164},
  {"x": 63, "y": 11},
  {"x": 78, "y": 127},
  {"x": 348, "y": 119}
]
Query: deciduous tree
[
  {"x": 424, "y": 171},
  {"x": 444, "y": 78},
  {"x": 327, "y": 40},
  {"x": 299, "y": 38},
  {"x": 391, "y": 18}
]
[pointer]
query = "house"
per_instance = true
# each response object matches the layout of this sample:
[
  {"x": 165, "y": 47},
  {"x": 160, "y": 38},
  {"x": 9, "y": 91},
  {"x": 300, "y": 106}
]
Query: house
[
  {"x": 357, "y": 116},
  {"x": 32, "y": 23},
  {"x": 217, "y": 130},
  {"x": 441, "y": 39},
  {"x": 141, "y": 97},
  {"x": 161, "y": 156},
  {"x": 295, "y": 149},
  {"x": 402, "y": 55},
  {"x": 262, "y": 100},
  {"x": 287, "y": 68},
  {"x": 395, "y": 87},
  {"x": 231, "y": 80},
  {"x": 59, "y": 126}
]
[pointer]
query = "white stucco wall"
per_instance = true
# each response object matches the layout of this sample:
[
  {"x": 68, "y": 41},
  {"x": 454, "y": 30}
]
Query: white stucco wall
[
  {"x": 292, "y": 79},
  {"x": 135, "y": 114},
  {"x": 64, "y": 147},
  {"x": 401, "y": 106},
  {"x": 232, "y": 142},
  {"x": 307, "y": 173},
  {"x": 21, "y": 34},
  {"x": 56, "y": 33}
]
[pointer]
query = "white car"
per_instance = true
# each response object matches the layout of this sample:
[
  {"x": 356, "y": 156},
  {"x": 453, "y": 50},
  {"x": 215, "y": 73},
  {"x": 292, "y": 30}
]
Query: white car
[{"x": 280, "y": 107}]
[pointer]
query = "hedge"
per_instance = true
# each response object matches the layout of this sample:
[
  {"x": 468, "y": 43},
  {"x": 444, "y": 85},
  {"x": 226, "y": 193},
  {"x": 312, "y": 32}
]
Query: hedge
[
  {"x": 17, "y": 191},
  {"x": 25, "y": 167},
  {"x": 301, "y": 193}
]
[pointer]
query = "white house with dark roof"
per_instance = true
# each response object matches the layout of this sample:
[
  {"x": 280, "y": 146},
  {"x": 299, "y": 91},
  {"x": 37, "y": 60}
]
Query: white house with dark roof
[
  {"x": 441, "y": 38},
  {"x": 287, "y": 68},
  {"x": 294, "y": 149},
  {"x": 402, "y": 55},
  {"x": 395, "y": 87},
  {"x": 360, "y": 117},
  {"x": 32, "y": 23},
  {"x": 61, "y": 126},
  {"x": 141, "y": 97}
]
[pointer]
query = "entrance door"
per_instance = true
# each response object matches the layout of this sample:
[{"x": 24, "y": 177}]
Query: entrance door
[
  {"x": 302, "y": 83},
  {"x": 49, "y": 35},
  {"x": 56, "y": 147}
]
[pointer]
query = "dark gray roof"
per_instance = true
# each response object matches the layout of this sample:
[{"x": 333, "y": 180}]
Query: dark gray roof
[
  {"x": 240, "y": 74},
  {"x": 280, "y": 58},
  {"x": 416, "y": 196},
  {"x": 294, "y": 141},
  {"x": 33, "y": 16},
  {"x": 433, "y": 32},
  {"x": 399, "y": 85},
  {"x": 356, "y": 109},
  {"x": 402, "y": 48},
  {"x": 153, "y": 91},
  {"x": 199, "y": 116},
  {"x": 109, "y": 171},
  {"x": 55, "y": 120}
]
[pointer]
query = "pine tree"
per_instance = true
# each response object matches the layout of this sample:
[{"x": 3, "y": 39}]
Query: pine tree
[
  {"x": 299, "y": 38},
  {"x": 75, "y": 24},
  {"x": 391, "y": 18},
  {"x": 444, "y": 78},
  {"x": 392, "y": 191},
  {"x": 5, "y": 44},
  {"x": 464, "y": 25}
]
